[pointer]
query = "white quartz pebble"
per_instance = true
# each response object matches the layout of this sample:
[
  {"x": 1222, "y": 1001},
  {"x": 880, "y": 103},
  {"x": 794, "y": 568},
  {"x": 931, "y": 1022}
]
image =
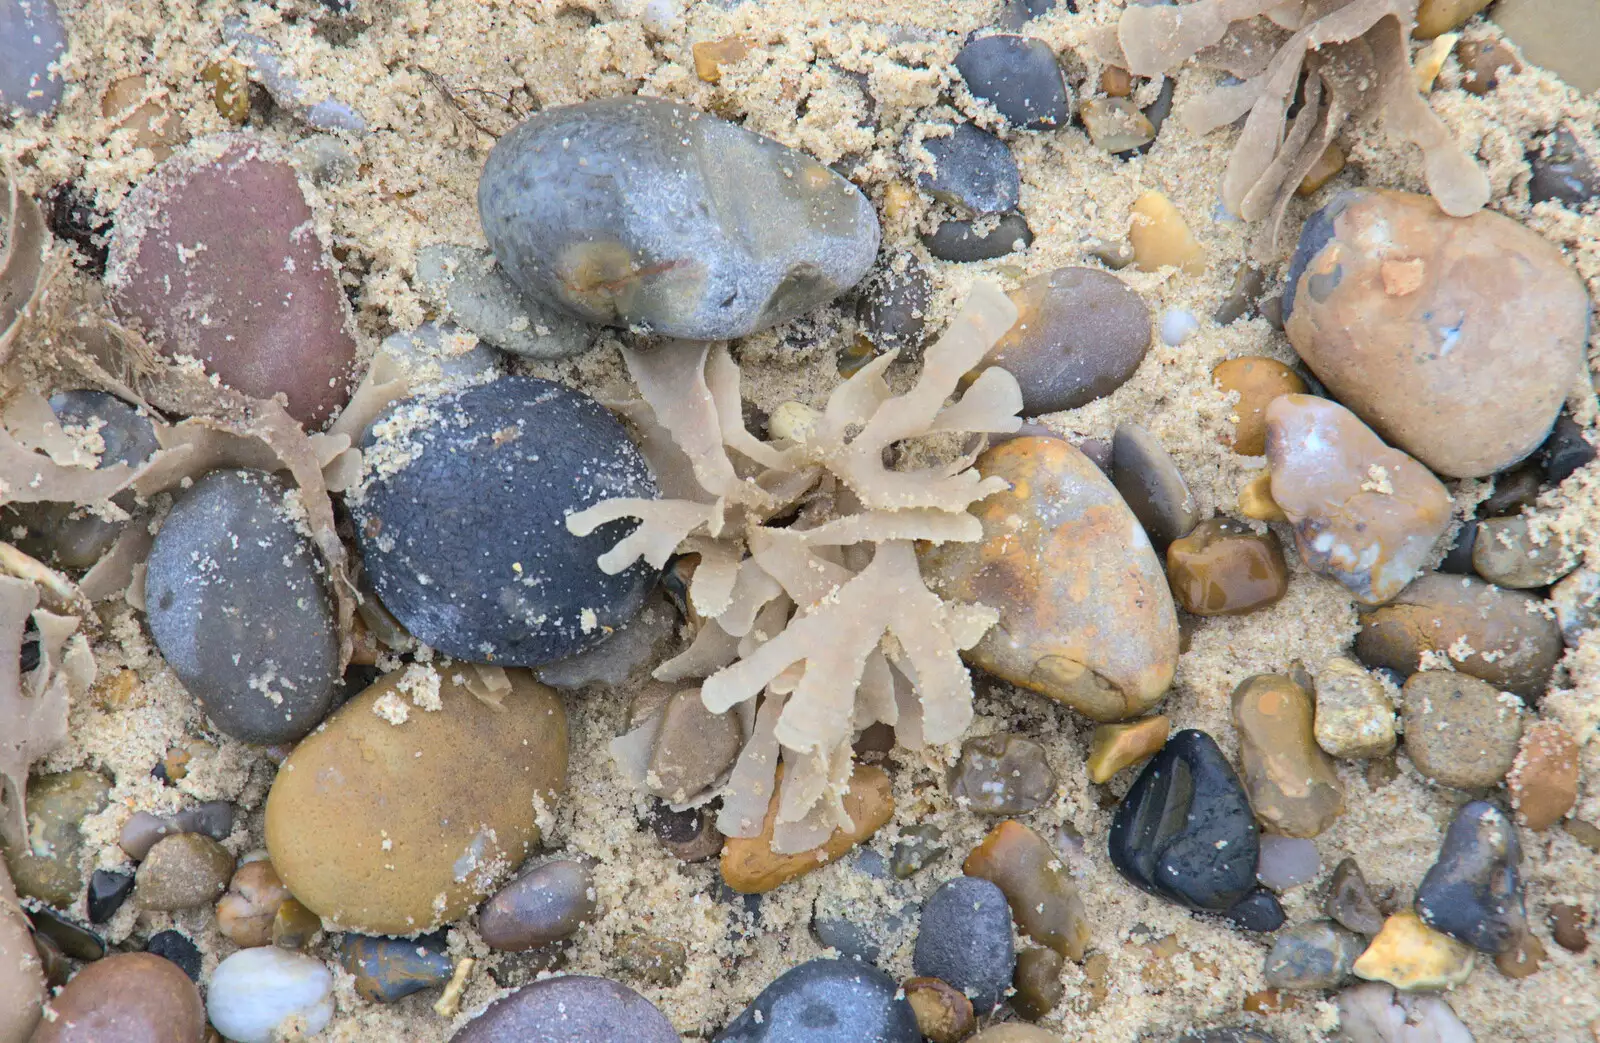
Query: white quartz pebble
[
  {"x": 1177, "y": 326},
  {"x": 256, "y": 992},
  {"x": 1375, "y": 1013}
]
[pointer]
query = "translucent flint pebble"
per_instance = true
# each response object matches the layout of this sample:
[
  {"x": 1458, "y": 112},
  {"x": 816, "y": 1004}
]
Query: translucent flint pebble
[
  {"x": 575, "y": 1008},
  {"x": 32, "y": 38},
  {"x": 973, "y": 170},
  {"x": 823, "y": 1001},
  {"x": 255, "y": 991},
  {"x": 1287, "y": 862},
  {"x": 1020, "y": 77},
  {"x": 465, "y": 541},
  {"x": 644, "y": 212},
  {"x": 481, "y": 298},
  {"x": 236, "y": 605},
  {"x": 1317, "y": 954}
]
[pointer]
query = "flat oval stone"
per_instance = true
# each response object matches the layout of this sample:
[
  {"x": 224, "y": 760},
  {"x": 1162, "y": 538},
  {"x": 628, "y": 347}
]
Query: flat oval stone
[
  {"x": 1151, "y": 484},
  {"x": 1460, "y": 731},
  {"x": 972, "y": 170},
  {"x": 1544, "y": 778},
  {"x": 1410, "y": 955},
  {"x": 820, "y": 1001},
  {"x": 1363, "y": 513},
  {"x": 1566, "y": 927},
  {"x": 1409, "y": 317},
  {"x": 130, "y": 998},
  {"x": 1002, "y": 774},
  {"x": 1257, "y": 381},
  {"x": 1222, "y": 568},
  {"x": 1086, "y": 616},
  {"x": 1354, "y": 716},
  {"x": 182, "y": 872},
  {"x": 223, "y": 231},
  {"x": 1376, "y": 1013},
  {"x": 245, "y": 623},
  {"x": 1080, "y": 334},
  {"x": 1044, "y": 901},
  {"x": 543, "y": 905},
  {"x": 693, "y": 747},
  {"x": 1185, "y": 831},
  {"x": 32, "y": 39},
  {"x": 388, "y": 969},
  {"x": 1349, "y": 901},
  {"x": 979, "y": 239},
  {"x": 964, "y": 938},
  {"x": 1473, "y": 890},
  {"x": 1020, "y": 77},
  {"x": 367, "y": 862},
  {"x": 1317, "y": 954},
  {"x": 47, "y": 867},
  {"x": 1286, "y": 862},
  {"x": 461, "y": 519},
  {"x": 635, "y": 211},
  {"x": 1291, "y": 782},
  {"x": 256, "y": 992},
  {"x": 1510, "y": 553}
]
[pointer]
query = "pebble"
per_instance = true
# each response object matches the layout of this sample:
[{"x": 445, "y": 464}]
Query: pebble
[
  {"x": 545, "y": 904},
  {"x": 1161, "y": 238},
  {"x": 893, "y": 309},
  {"x": 25, "y": 968},
  {"x": 1226, "y": 1034},
  {"x": 1152, "y": 486},
  {"x": 388, "y": 969},
  {"x": 1038, "y": 985},
  {"x": 1257, "y": 381},
  {"x": 143, "y": 830},
  {"x": 1514, "y": 491},
  {"x": 1556, "y": 35},
  {"x": 919, "y": 847},
  {"x": 822, "y": 1001},
  {"x": 1510, "y": 554},
  {"x": 1436, "y": 17},
  {"x": 1116, "y": 125},
  {"x": 32, "y": 40},
  {"x": 944, "y": 1015},
  {"x": 1291, "y": 782},
  {"x": 1086, "y": 617},
  {"x": 1511, "y": 643},
  {"x": 854, "y": 920},
  {"x": 70, "y": 938},
  {"x": 1376, "y": 1013},
  {"x": 1113, "y": 747},
  {"x": 689, "y": 836},
  {"x": 1410, "y": 955},
  {"x": 534, "y": 593},
  {"x": 1354, "y": 717},
  {"x": 1044, "y": 901},
  {"x": 1080, "y": 334},
  {"x": 1408, "y": 316},
  {"x": 258, "y": 994},
  {"x": 1020, "y": 77},
  {"x": 1013, "y": 1032},
  {"x": 1331, "y": 162},
  {"x": 1482, "y": 64},
  {"x": 1460, "y": 731},
  {"x": 48, "y": 869},
  {"x": 182, "y": 872},
  {"x": 693, "y": 747},
  {"x": 276, "y": 318},
  {"x": 630, "y": 652},
  {"x": 295, "y": 927},
  {"x": 437, "y": 356},
  {"x": 1222, "y": 568},
  {"x": 1566, "y": 451},
  {"x": 1562, "y": 171},
  {"x": 971, "y": 170},
  {"x": 1363, "y": 513},
  {"x": 246, "y": 913},
  {"x": 1014, "y": 14},
  {"x": 1185, "y": 831},
  {"x": 979, "y": 239},
  {"x": 1244, "y": 301},
  {"x": 1566, "y": 927},
  {"x": 1317, "y": 954},
  {"x": 1350, "y": 901},
  {"x": 603, "y": 208},
  {"x": 656, "y": 961},
  {"x": 1177, "y": 326},
  {"x": 351, "y": 853},
  {"x": 1523, "y": 957},
  {"x": 179, "y": 949},
  {"x": 964, "y": 938},
  {"x": 1544, "y": 777},
  {"x": 129, "y": 998},
  {"x": 247, "y": 625},
  {"x": 108, "y": 889},
  {"x": 1287, "y": 862},
  {"x": 750, "y": 866},
  {"x": 479, "y": 296},
  {"x": 1258, "y": 911},
  {"x": 1002, "y": 774},
  {"x": 1473, "y": 891},
  {"x": 1576, "y": 600}
]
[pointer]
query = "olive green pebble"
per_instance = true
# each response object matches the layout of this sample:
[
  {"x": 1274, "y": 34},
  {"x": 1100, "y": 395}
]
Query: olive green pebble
[
  {"x": 182, "y": 872},
  {"x": 57, "y": 805},
  {"x": 653, "y": 960}
]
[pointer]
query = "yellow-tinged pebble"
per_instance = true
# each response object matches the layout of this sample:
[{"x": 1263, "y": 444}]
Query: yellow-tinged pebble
[
  {"x": 1410, "y": 955},
  {"x": 1255, "y": 500},
  {"x": 898, "y": 199},
  {"x": 230, "y": 90},
  {"x": 1116, "y": 82},
  {"x": 1161, "y": 238},
  {"x": 711, "y": 55},
  {"x": 1322, "y": 171},
  {"x": 1117, "y": 746},
  {"x": 1425, "y": 67}
]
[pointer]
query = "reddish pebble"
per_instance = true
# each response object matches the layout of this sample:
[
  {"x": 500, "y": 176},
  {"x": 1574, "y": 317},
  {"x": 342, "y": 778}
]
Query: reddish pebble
[{"x": 1544, "y": 777}]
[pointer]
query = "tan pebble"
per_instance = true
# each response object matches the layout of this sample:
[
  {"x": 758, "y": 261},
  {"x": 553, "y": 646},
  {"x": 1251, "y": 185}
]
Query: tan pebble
[
  {"x": 1222, "y": 568},
  {"x": 1325, "y": 169},
  {"x": 1460, "y": 731},
  {"x": 1544, "y": 777},
  {"x": 1113, "y": 747},
  {"x": 1044, "y": 901},
  {"x": 1115, "y": 254},
  {"x": 693, "y": 747},
  {"x": 1441, "y": 16},
  {"x": 142, "y": 111},
  {"x": 1355, "y": 717},
  {"x": 22, "y": 979},
  {"x": 898, "y": 200},
  {"x": 1585, "y": 833},
  {"x": 1161, "y": 238},
  {"x": 1116, "y": 124},
  {"x": 750, "y": 866},
  {"x": 1483, "y": 62},
  {"x": 1524, "y": 958},
  {"x": 1097, "y": 976},
  {"x": 1426, "y": 64},
  {"x": 182, "y": 872},
  {"x": 1256, "y": 502},
  {"x": 1566, "y": 927},
  {"x": 1118, "y": 83},
  {"x": 711, "y": 55},
  {"x": 1410, "y": 955},
  {"x": 1272, "y": 1001},
  {"x": 944, "y": 1013},
  {"x": 118, "y": 690},
  {"x": 1511, "y": 553},
  {"x": 246, "y": 913},
  {"x": 1291, "y": 783},
  {"x": 1258, "y": 381},
  {"x": 1016, "y": 1033}
]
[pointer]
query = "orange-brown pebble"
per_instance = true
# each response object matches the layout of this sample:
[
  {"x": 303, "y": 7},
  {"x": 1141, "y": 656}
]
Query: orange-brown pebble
[
  {"x": 246, "y": 912},
  {"x": 1325, "y": 169},
  {"x": 711, "y": 55},
  {"x": 1256, "y": 502},
  {"x": 131, "y": 997},
  {"x": 943, "y": 1012},
  {"x": 1161, "y": 237},
  {"x": 1258, "y": 381},
  {"x": 1113, "y": 747},
  {"x": 295, "y": 926},
  {"x": 1544, "y": 777},
  {"x": 230, "y": 90},
  {"x": 1272, "y": 1001},
  {"x": 1044, "y": 901},
  {"x": 1524, "y": 958},
  {"x": 1482, "y": 64},
  {"x": 138, "y": 108},
  {"x": 1291, "y": 783},
  {"x": 1224, "y": 569},
  {"x": 750, "y": 866},
  {"x": 1118, "y": 83},
  {"x": 1566, "y": 927}
]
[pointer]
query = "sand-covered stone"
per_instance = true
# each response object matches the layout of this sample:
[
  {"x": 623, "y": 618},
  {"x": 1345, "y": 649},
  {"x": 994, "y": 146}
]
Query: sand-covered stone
[
  {"x": 1355, "y": 717},
  {"x": 182, "y": 872},
  {"x": 47, "y": 867},
  {"x": 1257, "y": 381},
  {"x": 1510, "y": 552}
]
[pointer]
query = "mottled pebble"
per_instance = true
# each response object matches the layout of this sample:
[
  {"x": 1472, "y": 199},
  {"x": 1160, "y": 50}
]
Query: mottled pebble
[
  {"x": 964, "y": 938},
  {"x": 1317, "y": 954},
  {"x": 295, "y": 927},
  {"x": 750, "y": 866},
  {"x": 1115, "y": 124},
  {"x": 1460, "y": 731},
  {"x": 1044, "y": 900},
  {"x": 1291, "y": 782},
  {"x": 1287, "y": 862},
  {"x": 57, "y": 805},
  {"x": 653, "y": 960},
  {"x": 1354, "y": 717},
  {"x": 245, "y": 914},
  {"x": 129, "y": 998},
  {"x": 1350, "y": 902},
  {"x": 1020, "y": 77},
  {"x": 182, "y": 872},
  {"x": 1257, "y": 381},
  {"x": 177, "y": 948},
  {"x": 1511, "y": 553},
  {"x": 972, "y": 170},
  {"x": 1037, "y": 982},
  {"x": 1562, "y": 171},
  {"x": 919, "y": 846},
  {"x": 1113, "y": 747},
  {"x": 1376, "y": 1013},
  {"x": 1410, "y": 955},
  {"x": 820, "y": 1001},
  {"x": 1223, "y": 568},
  {"x": 255, "y": 994},
  {"x": 1473, "y": 890},
  {"x": 1483, "y": 64},
  {"x": 479, "y": 296},
  {"x": 1002, "y": 774},
  {"x": 388, "y": 969},
  {"x": 1576, "y": 600},
  {"x": 1152, "y": 486},
  {"x": 1567, "y": 927},
  {"x": 544, "y": 904},
  {"x": 1544, "y": 777},
  {"x": 108, "y": 889},
  {"x": 944, "y": 1014},
  {"x": 979, "y": 239}
]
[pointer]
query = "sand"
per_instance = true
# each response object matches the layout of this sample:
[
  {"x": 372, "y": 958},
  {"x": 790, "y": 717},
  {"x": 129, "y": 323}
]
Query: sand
[{"x": 437, "y": 80}]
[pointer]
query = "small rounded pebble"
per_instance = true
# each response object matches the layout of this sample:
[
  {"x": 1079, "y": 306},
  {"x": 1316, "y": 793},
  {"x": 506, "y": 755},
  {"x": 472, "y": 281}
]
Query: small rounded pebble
[
  {"x": 1257, "y": 381},
  {"x": 1287, "y": 862},
  {"x": 1460, "y": 731},
  {"x": 179, "y": 948},
  {"x": 246, "y": 912},
  {"x": 1151, "y": 484},
  {"x": 1020, "y": 77},
  {"x": 1113, "y": 747},
  {"x": 1350, "y": 902},
  {"x": 1325, "y": 169},
  {"x": 1243, "y": 301},
  {"x": 1256, "y": 502},
  {"x": 964, "y": 938},
  {"x": 1562, "y": 171},
  {"x": 1566, "y": 927},
  {"x": 689, "y": 836},
  {"x": 257, "y": 993},
  {"x": 573, "y": 195},
  {"x": 655, "y": 961},
  {"x": 1354, "y": 717},
  {"x": 979, "y": 239},
  {"x": 693, "y": 747},
  {"x": 246, "y": 624},
  {"x": 1317, "y": 954},
  {"x": 1411, "y": 956},
  {"x": 479, "y": 296},
  {"x": 108, "y": 889},
  {"x": 545, "y": 904},
  {"x": 48, "y": 869},
  {"x": 1291, "y": 781},
  {"x": 1044, "y": 901},
  {"x": 1258, "y": 911},
  {"x": 129, "y": 998},
  {"x": 1544, "y": 777},
  {"x": 893, "y": 309},
  {"x": 750, "y": 866},
  {"x": 1566, "y": 451},
  {"x": 1037, "y": 982},
  {"x": 1177, "y": 326},
  {"x": 1473, "y": 890},
  {"x": 388, "y": 969},
  {"x": 1511, "y": 553},
  {"x": 1222, "y": 568},
  {"x": 182, "y": 872},
  {"x": 972, "y": 170},
  {"x": 919, "y": 847},
  {"x": 1483, "y": 64},
  {"x": 142, "y": 832},
  {"x": 820, "y": 1001},
  {"x": 1116, "y": 125},
  {"x": 1515, "y": 490},
  {"x": 1525, "y": 956},
  {"x": 1436, "y": 17},
  {"x": 944, "y": 1014},
  {"x": 32, "y": 40},
  {"x": 1161, "y": 238},
  {"x": 1002, "y": 774}
]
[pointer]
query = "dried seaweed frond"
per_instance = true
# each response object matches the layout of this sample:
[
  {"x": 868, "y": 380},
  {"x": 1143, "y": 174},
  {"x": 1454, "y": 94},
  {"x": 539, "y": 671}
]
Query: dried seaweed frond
[
  {"x": 821, "y": 627},
  {"x": 23, "y": 265},
  {"x": 1356, "y": 57}
]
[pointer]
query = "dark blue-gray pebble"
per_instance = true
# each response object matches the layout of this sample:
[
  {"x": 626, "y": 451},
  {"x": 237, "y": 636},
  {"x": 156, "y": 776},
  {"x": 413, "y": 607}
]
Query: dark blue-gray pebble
[
  {"x": 32, "y": 39},
  {"x": 826, "y": 1001},
  {"x": 236, "y": 604},
  {"x": 467, "y": 544},
  {"x": 962, "y": 241},
  {"x": 178, "y": 949},
  {"x": 964, "y": 938},
  {"x": 1473, "y": 891},
  {"x": 1317, "y": 954},
  {"x": 387, "y": 969},
  {"x": 571, "y": 1009},
  {"x": 1562, "y": 171},
  {"x": 972, "y": 169},
  {"x": 1314, "y": 235},
  {"x": 1020, "y": 77},
  {"x": 1257, "y": 911}
]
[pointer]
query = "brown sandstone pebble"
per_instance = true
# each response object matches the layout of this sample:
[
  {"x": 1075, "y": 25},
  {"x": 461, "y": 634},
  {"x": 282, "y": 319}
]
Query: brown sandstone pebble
[
  {"x": 128, "y": 998},
  {"x": 1410, "y": 955},
  {"x": 245, "y": 914},
  {"x": 1223, "y": 569},
  {"x": 138, "y": 108},
  {"x": 1326, "y": 168},
  {"x": 1291, "y": 783},
  {"x": 944, "y": 1013},
  {"x": 182, "y": 872},
  {"x": 1002, "y": 775},
  {"x": 750, "y": 866},
  {"x": 1256, "y": 502},
  {"x": 1258, "y": 381},
  {"x": 1483, "y": 62},
  {"x": 1038, "y": 982},
  {"x": 1113, "y": 747},
  {"x": 1544, "y": 777},
  {"x": 1044, "y": 901},
  {"x": 1566, "y": 927},
  {"x": 1460, "y": 731}
]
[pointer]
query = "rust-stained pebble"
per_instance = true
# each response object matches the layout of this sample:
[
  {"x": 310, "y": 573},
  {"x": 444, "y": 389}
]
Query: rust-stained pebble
[
  {"x": 1113, "y": 747},
  {"x": 1044, "y": 901},
  {"x": 1410, "y": 955},
  {"x": 1292, "y": 784},
  {"x": 1257, "y": 380},
  {"x": 1544, "y": 777},
  {"x": 750, "y": 866},
  {"x": 944, "y": 1014},
  {"x": 1222, "y": 568},
  {"x": 1460, "y": 731}
]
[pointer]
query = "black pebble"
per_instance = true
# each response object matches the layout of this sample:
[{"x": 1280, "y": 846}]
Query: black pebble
[
  {"x": 1314, "y": 235},
  {"x": 73, "y": 939},
  {"x": 827, "y": 1001},
  {"x": 1458, "y": 559},
  {"x": 1565, "y": 450},
  {"x": 1562, "y": 171},
  {"x": 893, "y": 309},
  {"x": 1185, "y": 831},
  {"x": 72, "y": 216},
  {"x": 972, "y": 169},
  {"x": 107, "y": 891},
  {"x": 960, "y": 241},
  {"x": 1257, "y": 911},
  {"x": 1020, "y": 77},
  {"x": 1473, "y": 891},
  {"x": 171, "y": 945},
  {"x": 964, "y": 938}
]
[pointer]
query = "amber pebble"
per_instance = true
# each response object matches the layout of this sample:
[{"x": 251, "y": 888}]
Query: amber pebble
[
  {"x": 1291, "y": 782},
  {"x": 1044, "y": 901},
  {"x": 230, "y": 90},
  {"x": 1325, "y": 169},
  {"x": 1161, "y": 238},
  {"x": 711, "y": 55},
  {"x": 1256, "y": 502},
  {"x": 1482, "y": 63},
  {"x": 1272, "y": 1001},
  {"x": 1224, "y": 569},
  {"x": 1441, "y": 16},
  {"x": 1118, "y": 83},
  {"x": 1566, "y": 927},
  {"x": 294, "y": 926},
  {"x": 246, "y": 913},
  {"x": 1410, "y": 955},
  {"x": 1460, "y": 731},
  {"x": 1544, "y": 777},
  {"x": 1038, "y": 982},
  {"x": 127, "y": 998},
  {"x": 944, "y": 1014},
  {"x": 1258, "y": 381},
  {"x": 1113, "y": 747},
  {"x": 1524, "y": 958},
  {"x": 750, "y": 866},
  {"x": 138, "y": 108}
]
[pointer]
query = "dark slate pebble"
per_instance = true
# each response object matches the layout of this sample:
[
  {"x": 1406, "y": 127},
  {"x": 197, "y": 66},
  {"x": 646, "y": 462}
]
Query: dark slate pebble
[
  {"x": 1458, "y": 559},
  {"x": 1565, "y": 450},
  {"x": 963, "y": 241},
  {"x": 1350, "y": 902},
  {"x": 1002, "y": 774},
  {"x": 1317, "y": 954},
  {"x": 1149, "y": 480},
  {"x": 1473, "y": 891},
  {"x": 1562, "y": 171},
  {"x": 893, "y": 309},
  {"x": 387, "y": 969},
  {"x": 1020, "y": 77},
  {"x": 108, "y": 889},
  {"x": 32, "y": 39},
  {"x": 467, "y": 543},
  {"x": 826, "y": 1001},
  {"x": 177, "y": 948},
  {"x": 572, "y": 1009},
  {"x": 1014, "y": 14},
  {"x": 972, "y": 169},
  {"x": 964, "y": 938},
  {"x": 546, "y": 903},
  {"x": 1258, "y": 911},
  {"x": 1185, "y": 831},
  {"x": 71, "y": 938},
  {"x": 236, "y": 605}
]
